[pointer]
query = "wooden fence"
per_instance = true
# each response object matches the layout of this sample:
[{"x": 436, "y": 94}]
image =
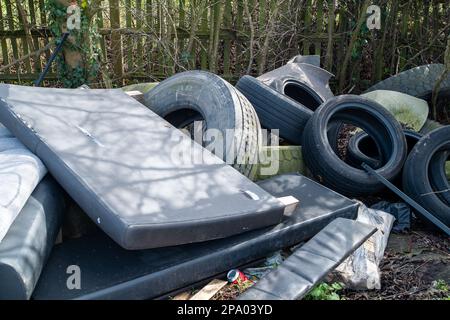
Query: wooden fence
[{"x": 145, "y": 40}]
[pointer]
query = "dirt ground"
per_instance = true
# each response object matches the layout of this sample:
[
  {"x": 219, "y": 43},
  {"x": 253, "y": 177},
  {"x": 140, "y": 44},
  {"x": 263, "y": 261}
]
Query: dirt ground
[{"x": 416, "y": 266}]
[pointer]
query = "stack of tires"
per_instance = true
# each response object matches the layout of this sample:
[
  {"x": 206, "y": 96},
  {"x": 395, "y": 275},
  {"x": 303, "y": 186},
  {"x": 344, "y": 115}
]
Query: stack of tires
[{"x": 296, "y": 100}]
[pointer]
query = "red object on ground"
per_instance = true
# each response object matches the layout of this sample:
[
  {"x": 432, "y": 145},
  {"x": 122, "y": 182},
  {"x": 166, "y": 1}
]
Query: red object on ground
[{"x": 236, "y": 276}]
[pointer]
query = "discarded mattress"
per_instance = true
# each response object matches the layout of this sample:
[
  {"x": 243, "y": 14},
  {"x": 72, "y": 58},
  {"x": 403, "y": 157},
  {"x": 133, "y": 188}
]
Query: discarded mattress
[
  {"x": 27, "y": 245},
  {"x": 109, "y": 272},
  {"x": 311, "y": 262},
  {"x": 20, "y": 172},
  {"x": 131, "y": 171},
  {"x": 5, "y": 133}
]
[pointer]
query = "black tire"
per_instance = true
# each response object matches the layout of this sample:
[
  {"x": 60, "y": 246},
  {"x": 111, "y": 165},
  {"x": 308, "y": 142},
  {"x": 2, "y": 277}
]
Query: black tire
[
  {"x": 302, "y": 80},
  {"x": 363, "y": 149},
  {"x": 429, "y": 126},
  {"x": 333, "y": 172},
  {"x": 438, "y": 176},
  {"x": 198, "y": 95},
  {"x": 275, "y": 110},
  {"x": 416, "y": 176},
  {"x": 418, "y": 82}
]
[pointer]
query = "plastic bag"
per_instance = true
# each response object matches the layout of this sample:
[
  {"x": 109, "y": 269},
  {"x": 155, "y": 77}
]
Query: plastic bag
[{"x": 361, "y": 270}]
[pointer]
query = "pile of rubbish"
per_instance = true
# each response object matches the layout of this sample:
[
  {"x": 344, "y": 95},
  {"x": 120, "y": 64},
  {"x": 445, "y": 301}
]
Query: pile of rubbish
[{"x": 181, "y": 182}]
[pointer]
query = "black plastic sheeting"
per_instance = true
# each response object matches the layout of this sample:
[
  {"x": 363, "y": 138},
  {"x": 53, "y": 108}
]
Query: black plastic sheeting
[
  {"x": 401, "y": 211},
  {"x": 110, "y": 272},
  {"x": 312, "y": 262},
  {"x": 27, "y": 245}
]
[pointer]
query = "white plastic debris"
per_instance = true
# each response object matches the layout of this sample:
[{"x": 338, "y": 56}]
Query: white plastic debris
[{"x": 361, "y": 270}]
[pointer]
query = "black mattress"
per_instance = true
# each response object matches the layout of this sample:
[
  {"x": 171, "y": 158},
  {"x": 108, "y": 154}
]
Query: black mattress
[
  {"x": 124, "y": 166},
  {"x": 28, "y": 243},
  {"x": 110, "y": 272},
  {"x": 312, "y": 262}
]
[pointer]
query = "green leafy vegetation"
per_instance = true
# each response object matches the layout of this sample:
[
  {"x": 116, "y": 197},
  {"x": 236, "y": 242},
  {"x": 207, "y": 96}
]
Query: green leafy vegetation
[
  {"x": 440, "y": 285},
  {"x": 325, "y": 291},
  {"x": 82, "y": 43}
]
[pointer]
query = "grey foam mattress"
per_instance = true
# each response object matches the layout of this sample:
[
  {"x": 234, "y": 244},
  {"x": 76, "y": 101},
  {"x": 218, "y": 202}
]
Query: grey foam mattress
[
  {"x": 27, "y": 245},
  {"x": 121, "y": 163},
  {"x": 109, "y": 272}
]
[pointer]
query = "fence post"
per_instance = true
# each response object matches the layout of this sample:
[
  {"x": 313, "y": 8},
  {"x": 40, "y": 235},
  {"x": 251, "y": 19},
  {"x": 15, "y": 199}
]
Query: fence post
[
  {"x": 116, "y": 41},
  {"x": 330, "y": 42},
  {"x": 13, "y": 40},
  {"x": 37, "y": 59},
  {"x": 3, "y": 41}
]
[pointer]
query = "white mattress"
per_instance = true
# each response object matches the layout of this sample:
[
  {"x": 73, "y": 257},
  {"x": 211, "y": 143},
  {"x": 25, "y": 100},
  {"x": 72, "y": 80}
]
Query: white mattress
[{"x": 20, "y": 172}]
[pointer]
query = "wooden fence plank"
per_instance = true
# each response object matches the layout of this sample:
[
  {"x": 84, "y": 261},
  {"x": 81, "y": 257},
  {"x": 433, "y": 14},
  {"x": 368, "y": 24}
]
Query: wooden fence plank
[
  {"x": 4, "y": 44},
  {"x": 116, "y": 41},
  {"x": 10, "y": 18},
  {"x": 307, "y": 19},
  {"x": 33, "y": 22},
  {"x": 331, "y": 28},
  {"x": 184, "y": 55},
  {"x": 262, "y": 26},
  {"x": 227, "y": 43},
  {"x": 404, "y": 37},
  {"x": 22, "y": 18},
  {"x": 239, "y": 9},
  {"x": 319, "y": 26},
  {"x": 149, "y": 42},
  {"x": 196, "y": 7},
  {"x": 139, "y": 48},
  {"x": 43, "y": 22},
  {"x": 342, "y": 26},
  {"x": 128, "y": 40},
  {"x": 161, "y": 30},
  {"x": 204, "y": 54},
  {"x": 101, "y": 24}
]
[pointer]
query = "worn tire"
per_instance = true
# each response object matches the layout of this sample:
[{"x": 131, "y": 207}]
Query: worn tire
[
  {"x": 429, "y": 126},
  {"x": 418, "y": 82},
  {"x": 275, "y": 110},
  {"x": 416, "y": 177},
  {"x": 198, "y": 95},
  {"x": 333, "y": 172},
  {"x": 362, "y": 148},
  {"x": 302, "y": 80},
  {"x": 438, "y": 176}
]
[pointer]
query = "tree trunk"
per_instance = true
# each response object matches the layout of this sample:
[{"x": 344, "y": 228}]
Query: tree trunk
[
  {"x": 440, "y": 80},
  {"x": 355, "y": 34},
  {"x": 73, "y": 58},
  {"x": 331, "y": 19}
]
